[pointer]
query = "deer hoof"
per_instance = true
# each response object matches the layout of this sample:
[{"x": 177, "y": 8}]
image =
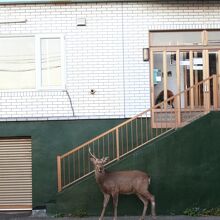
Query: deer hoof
[{"x": 141, "y": 218}]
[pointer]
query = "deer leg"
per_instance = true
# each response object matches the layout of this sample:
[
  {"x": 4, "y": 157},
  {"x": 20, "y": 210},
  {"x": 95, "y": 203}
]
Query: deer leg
[
  {"x": 105, "y": 203},
  {"x": 153, "y": 213},
  {"x": 145, "y": 201},
  {"x": 115, "y": 205},
  {"x": 150, "y": 197}
]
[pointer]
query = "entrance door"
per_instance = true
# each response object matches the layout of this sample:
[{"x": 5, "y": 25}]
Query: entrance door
[
  {"x": 173, "y": 71},
  {"x": 164, "y": 84},
  {"x": 196, "y": 55},
  {"x": 15, "y": 174},
  {"x": 189, "y": 73}
]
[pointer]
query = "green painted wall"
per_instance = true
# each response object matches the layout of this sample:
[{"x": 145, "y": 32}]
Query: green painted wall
[
  {"x": 184, "y": 167},
  {"x": 50, "y": 138}
]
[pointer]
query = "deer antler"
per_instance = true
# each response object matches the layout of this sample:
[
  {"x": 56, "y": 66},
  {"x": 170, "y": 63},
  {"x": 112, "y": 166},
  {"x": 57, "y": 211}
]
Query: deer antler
[{"x": 91, "y": 153}]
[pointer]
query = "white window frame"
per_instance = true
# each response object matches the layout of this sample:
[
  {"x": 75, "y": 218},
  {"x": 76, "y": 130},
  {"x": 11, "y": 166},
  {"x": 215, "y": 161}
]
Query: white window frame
[
  {"x": 38, "y": 74},
  {"x": 38, "y": 61}
]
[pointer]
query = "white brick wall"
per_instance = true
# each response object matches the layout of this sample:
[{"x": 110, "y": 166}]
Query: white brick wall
[
  {"x": 34, "y": 104},
  {"x": 105, "y": 55}
]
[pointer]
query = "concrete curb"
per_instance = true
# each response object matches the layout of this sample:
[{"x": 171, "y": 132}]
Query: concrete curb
[{"x": 7, "y": 217}]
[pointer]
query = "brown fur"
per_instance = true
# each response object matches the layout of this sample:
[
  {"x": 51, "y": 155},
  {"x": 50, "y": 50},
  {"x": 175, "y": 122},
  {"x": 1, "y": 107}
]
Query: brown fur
[
  {"x": 160, "y": 98},
  {"x": 122, "y": 182}
]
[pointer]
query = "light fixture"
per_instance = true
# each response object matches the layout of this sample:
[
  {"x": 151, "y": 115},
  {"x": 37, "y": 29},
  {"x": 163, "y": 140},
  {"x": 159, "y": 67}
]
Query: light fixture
[{"x": 145, "y": 54}]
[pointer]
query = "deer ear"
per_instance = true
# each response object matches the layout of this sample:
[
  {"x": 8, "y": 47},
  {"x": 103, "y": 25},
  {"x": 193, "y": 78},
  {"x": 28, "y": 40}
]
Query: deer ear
[{"x": 105, "y": 159}]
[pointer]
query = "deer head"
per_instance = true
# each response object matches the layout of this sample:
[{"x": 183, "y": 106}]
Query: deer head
[{"x": 98, "y": 163}]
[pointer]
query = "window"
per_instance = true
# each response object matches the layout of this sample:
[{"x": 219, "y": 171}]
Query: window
[
  {"x": 172, "y": 38},
  {"x": 213, "y": 38},
  {"x": 185, "y": 38},
  {"x": 17, "y": 63},
  {"x": 51, "y": 72},
  {"x": 28, "y": 62}
]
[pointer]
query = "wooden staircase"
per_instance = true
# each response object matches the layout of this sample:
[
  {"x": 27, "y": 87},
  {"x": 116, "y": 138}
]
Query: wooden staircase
[{"x": 139, "y": 130}]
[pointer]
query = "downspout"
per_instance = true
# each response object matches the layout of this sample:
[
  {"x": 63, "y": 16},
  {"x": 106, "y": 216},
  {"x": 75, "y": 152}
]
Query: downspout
[{"x": 70, "y": 100}]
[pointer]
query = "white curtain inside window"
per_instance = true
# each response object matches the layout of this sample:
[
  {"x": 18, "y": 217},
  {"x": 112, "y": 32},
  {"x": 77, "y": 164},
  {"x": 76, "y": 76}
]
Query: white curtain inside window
[
  {"x": 17, "y": 63},
  {"x": 51, "y": 62}
]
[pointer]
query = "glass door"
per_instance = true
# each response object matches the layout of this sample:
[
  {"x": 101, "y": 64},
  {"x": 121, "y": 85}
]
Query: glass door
[
  {"x": 186, "y": 61},
  {"x": 191, "y": 73},
  {"x": 213, "y": 70},
  {"x": 164, "y": 77},
  {"x": 157, "y": 78},
  {"x": 174, "y": 71},
  {"x": 163, "y": 86}
]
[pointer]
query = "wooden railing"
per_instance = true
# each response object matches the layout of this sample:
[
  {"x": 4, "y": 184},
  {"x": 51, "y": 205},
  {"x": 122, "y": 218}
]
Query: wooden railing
[{"x": 139, "y": 130}]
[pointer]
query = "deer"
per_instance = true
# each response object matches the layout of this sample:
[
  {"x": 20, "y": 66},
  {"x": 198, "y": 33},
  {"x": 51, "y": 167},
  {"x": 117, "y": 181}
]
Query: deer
[{"x": 122, "y": 182}]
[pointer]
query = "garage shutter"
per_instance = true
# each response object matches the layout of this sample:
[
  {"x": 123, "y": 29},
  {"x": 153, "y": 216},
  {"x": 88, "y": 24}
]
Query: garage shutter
[{"x": 15, "y": 174}]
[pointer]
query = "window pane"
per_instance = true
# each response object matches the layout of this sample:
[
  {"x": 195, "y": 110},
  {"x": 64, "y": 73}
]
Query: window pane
[
  {"x": 51, "y": 62},
  {"x": 158, "y": 77},
  {"x": 184, "y": 78},
  {"x": 17, "y": 63},
  {"x": 176, "y": 38},
  {"x": 213, "y": 37}
]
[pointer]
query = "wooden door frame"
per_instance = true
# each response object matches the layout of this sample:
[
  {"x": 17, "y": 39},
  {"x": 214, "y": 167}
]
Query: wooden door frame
[{"x": 177, "y": 50}]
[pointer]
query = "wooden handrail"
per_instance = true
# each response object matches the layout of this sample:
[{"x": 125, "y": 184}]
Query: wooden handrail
[
  {"x": 131, "y": 119},
  {"x": 116, "y": 145}
]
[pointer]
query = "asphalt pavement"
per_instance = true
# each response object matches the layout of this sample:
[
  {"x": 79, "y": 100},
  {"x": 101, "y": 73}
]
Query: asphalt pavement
[{"x": 29, "y": 216}]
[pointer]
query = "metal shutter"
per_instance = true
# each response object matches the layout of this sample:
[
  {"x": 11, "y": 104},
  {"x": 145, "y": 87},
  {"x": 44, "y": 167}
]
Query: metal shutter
[{"x": 15, "y": 174}]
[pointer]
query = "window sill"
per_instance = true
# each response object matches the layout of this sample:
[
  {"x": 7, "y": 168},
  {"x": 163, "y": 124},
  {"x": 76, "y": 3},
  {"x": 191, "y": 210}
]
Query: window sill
[{"x": 33, "y": 90}]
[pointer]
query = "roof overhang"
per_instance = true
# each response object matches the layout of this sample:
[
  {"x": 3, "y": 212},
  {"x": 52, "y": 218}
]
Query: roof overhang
[{"x": 6, "y": 2}]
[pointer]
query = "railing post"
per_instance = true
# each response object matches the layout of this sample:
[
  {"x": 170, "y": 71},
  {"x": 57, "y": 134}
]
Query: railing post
[
  {"x": 165, "y": 78},
  {"x": 178, "y": 110},
  {"x": 59, "y": 180},
  {"x": 191, "y": 81},
  {"x": 178, "y": 97},
  {"x": 215, "y": 92},
  {"x": 117, "y": 144},
  {"x": 207, "y": 96},
  {"x": 206, "y": 83}
]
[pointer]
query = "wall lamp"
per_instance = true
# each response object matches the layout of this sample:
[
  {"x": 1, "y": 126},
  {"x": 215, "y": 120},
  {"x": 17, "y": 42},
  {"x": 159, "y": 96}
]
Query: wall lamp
[{"x": 145, "y": 54}]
